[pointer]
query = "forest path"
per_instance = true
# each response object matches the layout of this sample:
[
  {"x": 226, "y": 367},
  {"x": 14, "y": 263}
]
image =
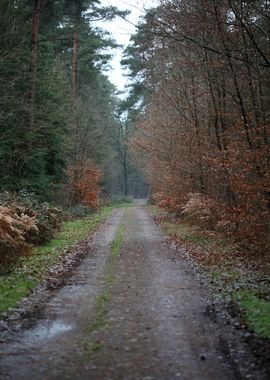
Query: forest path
[{"x": 130, "y": 311}]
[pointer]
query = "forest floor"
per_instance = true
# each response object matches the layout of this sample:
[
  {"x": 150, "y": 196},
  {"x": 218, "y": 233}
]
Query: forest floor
[{"x": 133, "y": 309}]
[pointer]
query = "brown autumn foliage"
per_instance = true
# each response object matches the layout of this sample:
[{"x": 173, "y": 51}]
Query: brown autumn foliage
[
  {"x": 85, "y": 178},
  {"x": 24, "y": 221},
  {"x": 15, "y": 228},
  {"x": 201, "y": 210},
  {"x": 205, "y": 129}
]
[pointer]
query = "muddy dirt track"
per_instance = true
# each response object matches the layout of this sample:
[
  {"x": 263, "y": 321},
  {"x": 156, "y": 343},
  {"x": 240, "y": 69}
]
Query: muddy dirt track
[{"x": 132, "y": 310}]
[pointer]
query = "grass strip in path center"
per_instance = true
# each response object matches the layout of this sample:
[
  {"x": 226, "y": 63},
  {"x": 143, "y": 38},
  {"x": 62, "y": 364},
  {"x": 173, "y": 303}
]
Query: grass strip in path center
[
  {"x": 101, "y": 305},
  {"x": 116, "y": 248}
]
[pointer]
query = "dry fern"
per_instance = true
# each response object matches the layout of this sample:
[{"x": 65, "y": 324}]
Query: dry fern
[
  {"x": 12, "y": 242},
  {"x": 201, "y": 210}
]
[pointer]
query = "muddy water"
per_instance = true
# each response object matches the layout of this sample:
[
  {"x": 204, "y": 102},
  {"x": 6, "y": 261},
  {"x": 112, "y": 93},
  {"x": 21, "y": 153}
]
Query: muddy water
[{"x": 137, "y": 315}]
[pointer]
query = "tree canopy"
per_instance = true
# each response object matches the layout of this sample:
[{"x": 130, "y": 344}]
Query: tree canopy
[{"x": 201, "y": 75}]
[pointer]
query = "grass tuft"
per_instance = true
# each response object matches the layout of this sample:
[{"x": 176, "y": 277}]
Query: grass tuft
[
  {"x": 116, "y": 247},
  {"x": 100, "y": 311},
  {"x": 256, "y": 313}
]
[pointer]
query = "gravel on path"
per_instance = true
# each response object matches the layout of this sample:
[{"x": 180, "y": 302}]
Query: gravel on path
[{"x": 130, "y": 311}]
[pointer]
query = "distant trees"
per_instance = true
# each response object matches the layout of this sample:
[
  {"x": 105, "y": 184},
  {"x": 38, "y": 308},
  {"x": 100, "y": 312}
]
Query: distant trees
[
  {"x": 122, "y": 135},
  {"x": 204, "y": 127},
  {"x": 128, "y": 179}
]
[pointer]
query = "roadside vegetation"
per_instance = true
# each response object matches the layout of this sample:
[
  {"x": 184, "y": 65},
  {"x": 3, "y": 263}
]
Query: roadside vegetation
[
  {"x": 238, "y": 277},
  {"x": 20, "y": 278}
]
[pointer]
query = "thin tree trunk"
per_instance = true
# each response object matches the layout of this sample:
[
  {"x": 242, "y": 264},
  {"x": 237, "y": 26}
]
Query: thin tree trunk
[
  {"x": 33, "y": 64},
  {"x": 74, "y": 75},
  {"x": 125, "y": 190},
  {"x": 74, "y": 64},
  {"x": 235, "y": 81},
  {"x": 197, "y": 133}
]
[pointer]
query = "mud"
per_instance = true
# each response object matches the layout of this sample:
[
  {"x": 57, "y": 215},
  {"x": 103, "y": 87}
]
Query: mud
[{"x": 149, "y": 319}]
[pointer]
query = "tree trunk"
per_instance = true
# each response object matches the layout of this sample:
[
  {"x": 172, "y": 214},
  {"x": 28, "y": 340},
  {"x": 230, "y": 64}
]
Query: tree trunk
[
  {"x": 33, "y": 64},
  {"x": 74, "y": 75},
  {"x": 74, "y": 64},
  {"x": 125, "y": 175}
]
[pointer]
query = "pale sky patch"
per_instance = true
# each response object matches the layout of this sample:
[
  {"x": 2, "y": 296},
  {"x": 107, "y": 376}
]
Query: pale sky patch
[{"x": 121, "y": 31}]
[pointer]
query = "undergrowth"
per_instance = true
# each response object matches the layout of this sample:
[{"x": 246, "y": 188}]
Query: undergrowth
[{"x": 32, "y": 269}]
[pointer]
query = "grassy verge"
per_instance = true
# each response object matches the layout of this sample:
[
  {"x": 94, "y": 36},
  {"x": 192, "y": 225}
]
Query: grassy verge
[
  {"x": 31, "y": 270},
  {"x": 237, "y": 276},
  {"x": 256, "y": 312}
]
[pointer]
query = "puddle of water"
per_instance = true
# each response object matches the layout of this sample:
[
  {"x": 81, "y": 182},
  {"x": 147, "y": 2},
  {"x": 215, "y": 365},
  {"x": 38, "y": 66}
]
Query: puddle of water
[{"x": 48, "y": 331}]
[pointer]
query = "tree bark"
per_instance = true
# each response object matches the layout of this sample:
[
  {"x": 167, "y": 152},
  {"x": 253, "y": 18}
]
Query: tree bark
[
  {"x": 33, "y": 63},
  {"x": 74, "y": 64}
]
